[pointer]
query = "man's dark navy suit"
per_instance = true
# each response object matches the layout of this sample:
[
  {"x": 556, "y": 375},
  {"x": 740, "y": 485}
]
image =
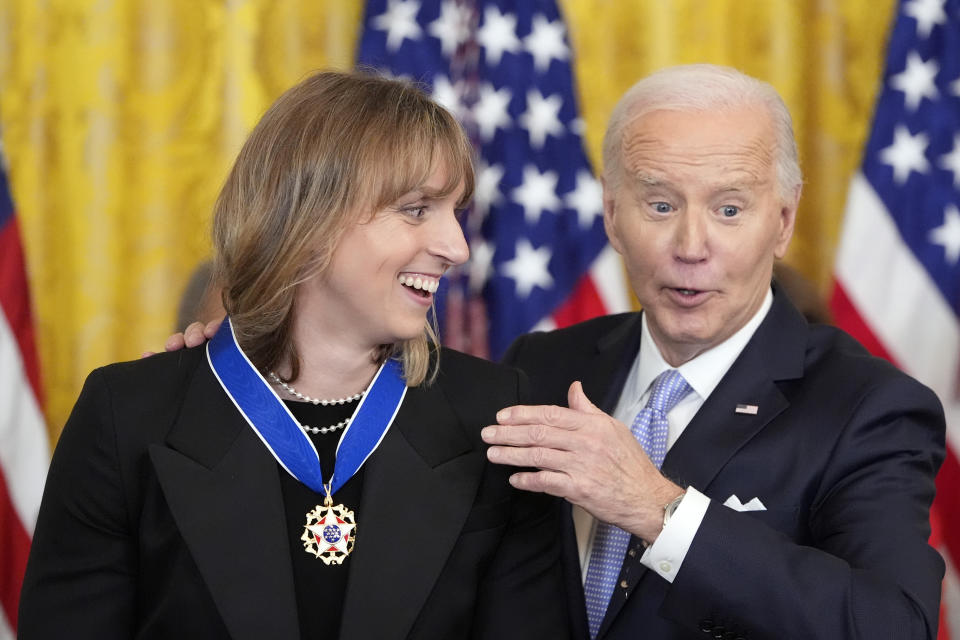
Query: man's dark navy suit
[{"x": 843, "y": 452}]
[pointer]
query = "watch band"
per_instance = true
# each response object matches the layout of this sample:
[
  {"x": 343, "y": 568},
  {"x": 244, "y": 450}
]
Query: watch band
[{"x": 670, "y": 508}]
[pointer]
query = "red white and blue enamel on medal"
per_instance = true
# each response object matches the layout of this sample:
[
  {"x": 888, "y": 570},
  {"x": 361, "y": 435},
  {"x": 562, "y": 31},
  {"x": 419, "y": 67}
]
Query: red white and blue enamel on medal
[{"x": 330, "y": 531}]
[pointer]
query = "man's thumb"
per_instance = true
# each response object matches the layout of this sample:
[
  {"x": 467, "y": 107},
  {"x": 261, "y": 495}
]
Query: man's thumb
[{"x": 578, "y": 400}]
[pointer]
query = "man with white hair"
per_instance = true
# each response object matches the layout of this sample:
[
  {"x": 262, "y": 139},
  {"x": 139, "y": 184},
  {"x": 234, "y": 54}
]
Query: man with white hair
[{"x": 735, "y": 472}]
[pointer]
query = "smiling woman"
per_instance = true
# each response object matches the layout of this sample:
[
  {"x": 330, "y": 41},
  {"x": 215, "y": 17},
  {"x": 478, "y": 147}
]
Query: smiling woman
[
  {"x": 415, "y": 239},
  {"x": 332, "y": 181},
  {"x": 192, "y": 494}
]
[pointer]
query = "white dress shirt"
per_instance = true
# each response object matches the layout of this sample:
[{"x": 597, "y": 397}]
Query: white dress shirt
[{"x": 703, "y": 374}]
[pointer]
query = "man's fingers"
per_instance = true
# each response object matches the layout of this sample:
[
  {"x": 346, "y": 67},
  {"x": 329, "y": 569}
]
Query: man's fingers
[
  {"x": 174, "y": 342},
  {"x": 554, "y": 483},
  {"x": 539, "y": 414},
  {"x": 211, "y": 328},
  {"x": 539, "y": 457},
  {"x": 193, "y": 335},
  {"x": 524, "y": 435}
]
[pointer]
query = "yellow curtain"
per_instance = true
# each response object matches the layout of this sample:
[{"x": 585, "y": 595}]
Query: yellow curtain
[{"x": 119, "y": 121}]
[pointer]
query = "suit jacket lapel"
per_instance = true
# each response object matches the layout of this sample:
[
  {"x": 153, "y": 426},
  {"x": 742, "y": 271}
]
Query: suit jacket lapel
[
  {"x": 222, "y": 488},
  {"x": 418, "y": 490},
  {"x": 605, "y": 375},
  {"x": 717, "y": 431}
]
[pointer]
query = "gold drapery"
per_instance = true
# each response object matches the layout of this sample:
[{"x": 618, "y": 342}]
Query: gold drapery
[{"x": 120, "y": 118}]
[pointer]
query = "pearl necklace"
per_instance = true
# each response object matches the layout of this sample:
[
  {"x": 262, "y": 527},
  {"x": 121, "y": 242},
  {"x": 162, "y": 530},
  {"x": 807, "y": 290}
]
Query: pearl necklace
[
  {"x": 326, "y": 430},
  {"x": 321, "y": 401}
]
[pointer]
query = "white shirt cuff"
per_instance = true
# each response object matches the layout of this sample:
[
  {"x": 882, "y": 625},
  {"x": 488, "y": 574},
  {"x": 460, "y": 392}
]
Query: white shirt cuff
[{"x": 666, "y": 554}]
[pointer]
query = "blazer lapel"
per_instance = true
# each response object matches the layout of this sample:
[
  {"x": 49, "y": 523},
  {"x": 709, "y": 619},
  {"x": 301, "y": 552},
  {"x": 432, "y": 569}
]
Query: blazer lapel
[
  {"x": 604, "y": 376},
  {"x": 718, "y": 431},
  {"x": 222, "y": 488},
  {"x": 418, "y": 490}
]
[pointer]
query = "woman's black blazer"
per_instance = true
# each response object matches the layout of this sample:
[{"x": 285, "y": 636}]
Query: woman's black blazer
[{"x": 162, "y": 517}]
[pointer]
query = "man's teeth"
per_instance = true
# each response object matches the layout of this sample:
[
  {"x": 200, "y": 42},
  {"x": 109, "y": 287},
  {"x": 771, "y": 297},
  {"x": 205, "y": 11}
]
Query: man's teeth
[
  {"x": 687, "y": 292},
  {"x": 430, "y": 285}
]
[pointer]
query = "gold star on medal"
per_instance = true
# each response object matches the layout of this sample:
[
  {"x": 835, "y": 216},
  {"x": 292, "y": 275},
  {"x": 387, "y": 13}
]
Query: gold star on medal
[{"x": 332, "y": 533}]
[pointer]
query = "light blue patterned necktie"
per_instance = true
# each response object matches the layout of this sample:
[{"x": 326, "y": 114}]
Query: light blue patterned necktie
[{"x": 650, "y": 428}]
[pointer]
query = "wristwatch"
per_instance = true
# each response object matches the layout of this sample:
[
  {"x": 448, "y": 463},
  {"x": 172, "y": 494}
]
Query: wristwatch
[{"x": 670, "y": 508}]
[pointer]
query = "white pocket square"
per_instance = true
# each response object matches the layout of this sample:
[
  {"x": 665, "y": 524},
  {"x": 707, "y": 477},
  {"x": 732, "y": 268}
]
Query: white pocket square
[{"x": 753, "y": 504}]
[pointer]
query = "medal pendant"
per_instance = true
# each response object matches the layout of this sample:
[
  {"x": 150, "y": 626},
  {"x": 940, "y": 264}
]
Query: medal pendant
[{"x": 330, "y": 532}]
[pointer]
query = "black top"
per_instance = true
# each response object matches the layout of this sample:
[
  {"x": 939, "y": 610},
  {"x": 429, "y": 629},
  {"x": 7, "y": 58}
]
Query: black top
[{"x": 319, "y": 587}]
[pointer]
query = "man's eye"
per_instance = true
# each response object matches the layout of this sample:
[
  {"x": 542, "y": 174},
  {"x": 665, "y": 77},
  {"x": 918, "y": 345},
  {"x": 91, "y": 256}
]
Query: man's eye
[
  {"x": 416, "y": 212},
  {"x": 729, "y": 211},
  {"x": 662, "y": 207}
]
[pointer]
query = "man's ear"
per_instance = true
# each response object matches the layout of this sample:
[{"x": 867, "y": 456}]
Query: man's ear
[
  {"x": 788, "y": 218},
  {"x": 609, "y": 215}
]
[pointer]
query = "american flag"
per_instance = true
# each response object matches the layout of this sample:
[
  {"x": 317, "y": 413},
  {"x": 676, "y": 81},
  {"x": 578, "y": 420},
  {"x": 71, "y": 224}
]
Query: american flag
[
  {"x": 24, "y": 451},
  {"x": 898, "y": 267},
  {"x": 539, "y": 255}
]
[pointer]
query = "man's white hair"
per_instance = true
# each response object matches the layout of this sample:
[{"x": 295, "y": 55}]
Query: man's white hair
[{"x": 703, "y": 87}]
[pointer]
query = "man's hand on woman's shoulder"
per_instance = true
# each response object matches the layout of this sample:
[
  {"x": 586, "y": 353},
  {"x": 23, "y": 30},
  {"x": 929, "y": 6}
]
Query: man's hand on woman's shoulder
[{"x": 193, "y": 336}]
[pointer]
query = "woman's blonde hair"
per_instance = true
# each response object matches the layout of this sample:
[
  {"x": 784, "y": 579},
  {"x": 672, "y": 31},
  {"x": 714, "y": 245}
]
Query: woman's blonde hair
[{"x": 329, "y": 153}]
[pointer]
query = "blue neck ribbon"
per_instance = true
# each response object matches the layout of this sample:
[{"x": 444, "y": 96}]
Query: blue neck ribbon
[{"x": 276, "y": 427}]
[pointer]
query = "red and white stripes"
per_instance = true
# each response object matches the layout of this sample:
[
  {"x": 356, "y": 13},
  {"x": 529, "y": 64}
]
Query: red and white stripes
[{"x": 24, "y": 445}]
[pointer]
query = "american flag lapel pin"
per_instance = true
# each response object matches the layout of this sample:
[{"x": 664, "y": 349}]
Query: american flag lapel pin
[{"x": 749, "y": 409}]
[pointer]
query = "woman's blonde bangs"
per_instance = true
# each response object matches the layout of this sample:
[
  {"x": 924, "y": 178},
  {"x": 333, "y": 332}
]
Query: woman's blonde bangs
[{"x": 408, "y": 148}]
